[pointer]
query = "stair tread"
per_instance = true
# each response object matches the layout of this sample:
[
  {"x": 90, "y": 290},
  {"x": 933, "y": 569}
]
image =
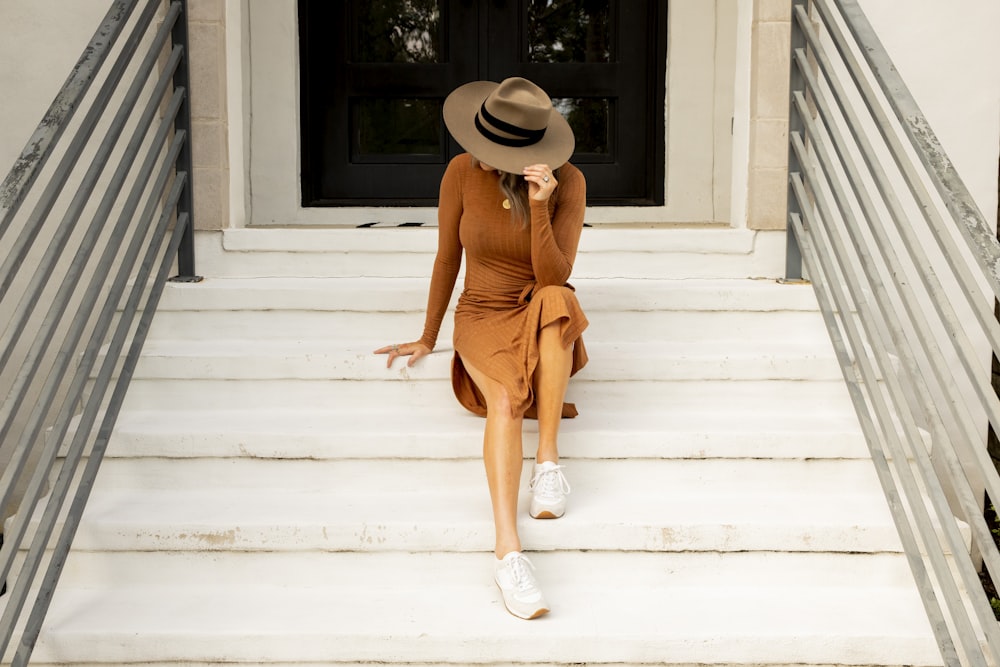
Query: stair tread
[
  {"x": 605, "y": 325},
  {"x": 668, "y": 420},
  {"x": 408, "y": 294},
  {"x": 708, "y": 569},
  {"x": 780, "y": 395},
  {"x": 638, "y": 396},
  {"x": 712, "y": 252},
  {"x": 618, "y": 479},
  {"x": 638, "y": 609},
  {"x": 423, "y": 239},
  {"x": 619, "y": 419},
  {"x": 352, "y": 360},
  {"x": 432, "y": 505},
  {"x": 336, "y": 347},
  {"x": 690, "y": 428}
]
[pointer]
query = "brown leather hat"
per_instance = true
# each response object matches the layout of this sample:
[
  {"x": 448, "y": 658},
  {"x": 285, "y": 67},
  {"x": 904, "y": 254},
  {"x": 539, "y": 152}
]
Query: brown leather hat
[{"x": 508, "y": 125}]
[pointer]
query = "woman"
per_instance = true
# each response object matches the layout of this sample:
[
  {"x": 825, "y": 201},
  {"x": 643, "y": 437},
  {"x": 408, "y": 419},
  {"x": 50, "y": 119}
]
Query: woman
[{"x": 516, "y": 207}]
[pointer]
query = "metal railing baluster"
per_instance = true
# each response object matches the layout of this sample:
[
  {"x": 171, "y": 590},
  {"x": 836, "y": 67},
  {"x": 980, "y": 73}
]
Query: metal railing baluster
[
  {"x": 50, "y": 317},
  {"x": 185, "y": 161},
  {"x": 888, "y": 291},
  {"x": 793, "y": 255}
]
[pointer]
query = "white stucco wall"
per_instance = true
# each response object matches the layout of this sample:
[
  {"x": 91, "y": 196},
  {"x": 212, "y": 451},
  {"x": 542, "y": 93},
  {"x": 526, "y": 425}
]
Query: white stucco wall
[
  {"x": 40, "y": 41},
  {"x": 948, "y": 53},
  {"x": 949, "y": 56},
  {"x": 740, "y": 159},
  {"x": 237, "y": 105}
]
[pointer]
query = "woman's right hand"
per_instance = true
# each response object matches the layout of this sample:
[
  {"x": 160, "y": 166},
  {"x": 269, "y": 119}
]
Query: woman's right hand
[{"x": 413, "y": 350}]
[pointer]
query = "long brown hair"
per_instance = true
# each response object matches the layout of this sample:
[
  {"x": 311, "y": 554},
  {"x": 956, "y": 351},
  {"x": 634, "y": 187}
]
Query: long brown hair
[{"x": 515, "y": 189}]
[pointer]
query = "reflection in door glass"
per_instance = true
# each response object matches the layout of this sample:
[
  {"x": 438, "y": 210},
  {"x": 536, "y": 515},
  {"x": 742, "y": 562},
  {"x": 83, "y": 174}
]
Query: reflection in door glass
[
  {"x": 569, "y": 31},
  {"x": 387, "y": 128},
  {"x": 398, "y": 31},
  {"x": 589, "y": 118}
]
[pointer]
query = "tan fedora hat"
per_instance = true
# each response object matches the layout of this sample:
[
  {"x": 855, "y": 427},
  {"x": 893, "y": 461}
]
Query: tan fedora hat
[{"x": 508, "y": 125}]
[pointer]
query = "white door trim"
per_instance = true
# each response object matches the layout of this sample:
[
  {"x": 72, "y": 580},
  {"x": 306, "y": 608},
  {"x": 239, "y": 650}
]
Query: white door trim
[{"x": 702, "y": 51}]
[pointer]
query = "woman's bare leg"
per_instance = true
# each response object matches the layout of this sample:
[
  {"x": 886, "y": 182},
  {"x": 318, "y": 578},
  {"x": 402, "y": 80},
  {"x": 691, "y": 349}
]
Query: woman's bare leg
[
  {"x": 551, "y": 379},
  {"x": 503, "y": 457}
]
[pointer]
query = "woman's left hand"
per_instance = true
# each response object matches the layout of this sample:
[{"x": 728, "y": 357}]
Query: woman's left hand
[
  {"x": 541, "y": 182},
  {"x": 414, "y": 350}
]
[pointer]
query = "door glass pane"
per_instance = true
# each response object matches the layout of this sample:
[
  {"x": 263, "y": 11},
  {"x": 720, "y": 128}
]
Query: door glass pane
[
  {"x": 398, "y": 31},
  {"x": 590, "y": 119},
  {"x": 396, "y": 130},
  {"x": 569, "y": 31}
]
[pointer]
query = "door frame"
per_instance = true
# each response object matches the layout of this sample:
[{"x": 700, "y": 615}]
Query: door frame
[{"x": 705, "y": 45}]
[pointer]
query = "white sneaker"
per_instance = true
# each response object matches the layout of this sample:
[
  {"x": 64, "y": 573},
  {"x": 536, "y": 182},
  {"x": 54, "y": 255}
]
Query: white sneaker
[
  {"x": 549, "y": 489},
  {"x": 521, "y": 594}
]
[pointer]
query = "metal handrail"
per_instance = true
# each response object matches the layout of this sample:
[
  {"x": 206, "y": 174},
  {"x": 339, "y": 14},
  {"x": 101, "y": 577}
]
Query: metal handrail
[
  {"x": 61, "y": 353},
  {"x": 888, "y": 290}
]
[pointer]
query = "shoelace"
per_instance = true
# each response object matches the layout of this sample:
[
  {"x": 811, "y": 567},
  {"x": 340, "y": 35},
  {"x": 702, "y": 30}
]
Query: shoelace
[
  {"x": 520, "y": 569},
  {"x": 549, "y": 482}
]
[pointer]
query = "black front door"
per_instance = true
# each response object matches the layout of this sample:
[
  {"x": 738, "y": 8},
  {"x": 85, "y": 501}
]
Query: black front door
[{"x": 375, "y": 74}]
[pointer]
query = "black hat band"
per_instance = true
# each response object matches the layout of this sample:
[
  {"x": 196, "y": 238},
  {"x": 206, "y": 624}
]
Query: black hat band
[{"x": 523, "y": 137}]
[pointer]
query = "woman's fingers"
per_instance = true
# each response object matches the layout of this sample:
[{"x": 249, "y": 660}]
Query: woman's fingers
[
  {"x": 417, "y": 354},
  {"x": 541, "y": 182},
  {"x": 393, "y": 351},
  {"x": 416, "y": 350}
]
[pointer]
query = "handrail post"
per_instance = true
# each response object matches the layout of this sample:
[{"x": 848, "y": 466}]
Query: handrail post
[
  {"x": 185, "y": 163},
  {"x": 796, "y": 83}
]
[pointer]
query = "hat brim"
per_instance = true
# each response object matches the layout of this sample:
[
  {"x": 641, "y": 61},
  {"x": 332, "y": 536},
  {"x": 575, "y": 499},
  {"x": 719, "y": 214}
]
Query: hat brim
[{"x": 460, "y": 109}]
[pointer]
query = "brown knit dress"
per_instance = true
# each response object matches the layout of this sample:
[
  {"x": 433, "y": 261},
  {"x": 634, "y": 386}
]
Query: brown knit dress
[{"x": 515, "y": 280}]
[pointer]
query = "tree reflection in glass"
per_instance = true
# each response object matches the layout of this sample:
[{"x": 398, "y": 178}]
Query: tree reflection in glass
[
  {"x": 589, "y": 118},
  {"x": 398, "y": 31},
  {"x": 569, "y": 31}
]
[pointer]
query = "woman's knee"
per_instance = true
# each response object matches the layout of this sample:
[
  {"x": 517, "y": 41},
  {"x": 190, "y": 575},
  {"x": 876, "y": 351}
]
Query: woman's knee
[
  {"x": 495, "y": 394},
  {"x": 501, "y": 404}
]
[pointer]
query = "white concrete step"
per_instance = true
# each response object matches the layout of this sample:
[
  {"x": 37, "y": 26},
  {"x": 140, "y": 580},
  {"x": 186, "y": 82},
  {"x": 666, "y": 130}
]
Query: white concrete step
[
  {"x": 662, "y": 327},
  {"x": 333, "y": 359},
  {"x": 379, "y": 505},
  {"x": 605, "y": 252},
  {"x": 436, "y": 609},
  {"x": 676, "y": 431},
  {"x": 719, "y": 240},
  {"x": 92, "y": 569},
  {"x": 712, "y": 398},
  {"x": 377, "y": 308},
  {"x": 410, "y": 295}
]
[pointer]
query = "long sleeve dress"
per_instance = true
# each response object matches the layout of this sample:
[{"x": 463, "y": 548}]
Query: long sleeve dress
[{"x": 515, "y": 280}]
